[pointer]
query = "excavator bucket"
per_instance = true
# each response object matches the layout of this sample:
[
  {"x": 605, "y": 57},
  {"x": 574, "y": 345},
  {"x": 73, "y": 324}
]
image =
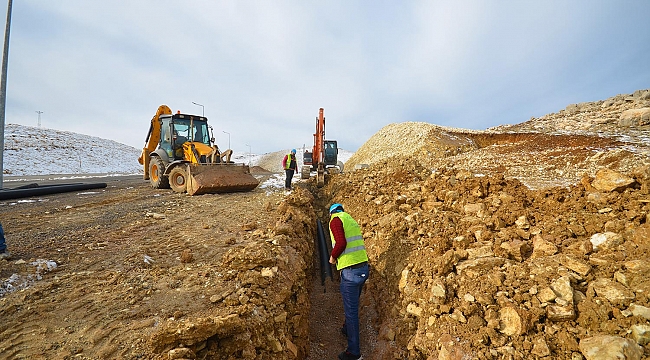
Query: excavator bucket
[{"x": 219, "y": 178}]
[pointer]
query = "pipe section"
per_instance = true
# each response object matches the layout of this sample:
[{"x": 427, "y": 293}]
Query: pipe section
[
  {"x": 323, "y": 254},
  {"x": 36, "y": 190}
]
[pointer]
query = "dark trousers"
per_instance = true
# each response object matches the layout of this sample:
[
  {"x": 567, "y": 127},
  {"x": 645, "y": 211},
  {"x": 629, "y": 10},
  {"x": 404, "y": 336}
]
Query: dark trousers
[
  {"x": 3, "y": 244},
  {"x": 352, "y": 280},
  {"x": 289, "y": 177}
]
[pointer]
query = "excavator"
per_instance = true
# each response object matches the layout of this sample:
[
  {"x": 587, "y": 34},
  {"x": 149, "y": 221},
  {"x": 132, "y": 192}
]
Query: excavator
[
  {"x": 323, "y": 155},
  {"x": 180, "y": 154}
]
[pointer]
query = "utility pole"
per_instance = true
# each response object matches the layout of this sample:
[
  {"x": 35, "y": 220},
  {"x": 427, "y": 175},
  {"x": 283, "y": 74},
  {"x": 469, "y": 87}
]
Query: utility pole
[
  {"x": 39, "y": 117},
  {"x": 3, "y": 91}
]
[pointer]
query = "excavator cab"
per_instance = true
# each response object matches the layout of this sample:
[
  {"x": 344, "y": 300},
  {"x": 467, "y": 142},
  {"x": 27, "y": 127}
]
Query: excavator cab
[{"x": 331, "y": 152}]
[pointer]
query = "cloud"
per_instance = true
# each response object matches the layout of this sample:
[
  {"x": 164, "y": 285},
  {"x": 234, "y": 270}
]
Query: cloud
[{"x": 262, "y": 69}]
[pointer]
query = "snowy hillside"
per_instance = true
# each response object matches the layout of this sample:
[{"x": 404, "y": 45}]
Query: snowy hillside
[{"x": 40, "y": 151}]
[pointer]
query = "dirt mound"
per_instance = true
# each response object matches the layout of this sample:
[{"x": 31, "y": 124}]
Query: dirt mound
[
  {"x": 483, "y": 267},
  {"x": 258, "y": 170}
]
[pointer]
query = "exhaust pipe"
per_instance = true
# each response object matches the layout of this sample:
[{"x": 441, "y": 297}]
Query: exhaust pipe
[{"x": 323, "y": 254}]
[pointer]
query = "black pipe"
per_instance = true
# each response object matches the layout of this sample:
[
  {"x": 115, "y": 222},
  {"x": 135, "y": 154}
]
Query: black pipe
[
  {"x": 46, "y": 190},
  {"x": 324, "y": 254}
]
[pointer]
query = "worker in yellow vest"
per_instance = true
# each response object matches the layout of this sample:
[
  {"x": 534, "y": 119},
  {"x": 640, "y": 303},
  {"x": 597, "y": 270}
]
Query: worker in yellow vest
[
  {"x": 290, "y": 165},
  {"x": 349, "y": 255}
]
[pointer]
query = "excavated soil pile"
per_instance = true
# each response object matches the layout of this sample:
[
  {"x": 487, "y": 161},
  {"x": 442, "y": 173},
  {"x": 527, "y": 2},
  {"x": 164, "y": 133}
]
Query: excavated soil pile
[
  {"x": 555, "y": 150},
  {"x": 481, "y": 267}
]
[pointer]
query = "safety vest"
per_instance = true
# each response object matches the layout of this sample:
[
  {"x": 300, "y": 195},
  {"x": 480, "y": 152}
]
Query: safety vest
[
  {"x": 355, "y": 249},
  {"x": 287, "y": 166}
]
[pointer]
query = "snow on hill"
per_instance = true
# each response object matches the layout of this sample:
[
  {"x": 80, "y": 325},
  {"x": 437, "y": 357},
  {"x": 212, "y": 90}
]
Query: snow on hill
[{"x": 40, "y": 151}]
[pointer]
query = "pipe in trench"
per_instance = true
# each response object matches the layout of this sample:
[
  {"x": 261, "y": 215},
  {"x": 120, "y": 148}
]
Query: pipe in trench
[
  {"x": 323, "y": 254},
  {"x": 36, "y": 190}
]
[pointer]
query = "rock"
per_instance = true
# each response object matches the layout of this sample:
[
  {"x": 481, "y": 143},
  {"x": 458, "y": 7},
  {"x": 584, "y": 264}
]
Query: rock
[
  {"x": 542, "y": 247},
  {"x": 473, "y": 209},
  {"x": 469, "y": 298},
  {"x": 606, "y": 347},
  {"x": 641, "y": 333},
  {"x": 480, "y": 252},
  {"x": 540, "y": 348},
  {"x": 156, "y": 216},
  {"x": 387, "y": 333},
  {"x": 562, "y": 288},
  {"x": 609, "y": 180},
  {"x": 292, "y": 348},
  {"x": 438, "y": 294},
  {"x": 403, "y": 280},
  {"x": 513, "y": 322},
  {"x": 181, "y": 353},
  {"x": 614, "y": 292},
  {"x": 476, "y": 267},
  {"x": 546, "y": 295},
  {"x": 186, "y": 256},
  {"x": 606, "y": 240},
  {"x": 522, "y": 223},
  {"x": 638, "y": 310},
  {"x": 560, "y": 313},
  {"x": 458, "y": 316},
  {"x": 414, "y": 310},
  {"x": 516, "y": 249},
  {"x": 575, "y": 265},
  {"x": 635, "y": 117}
]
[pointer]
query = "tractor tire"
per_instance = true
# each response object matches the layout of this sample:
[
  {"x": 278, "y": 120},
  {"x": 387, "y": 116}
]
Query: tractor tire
[
  {"x": 178, "y": 179},
  {"x": 156, "y": 174}
]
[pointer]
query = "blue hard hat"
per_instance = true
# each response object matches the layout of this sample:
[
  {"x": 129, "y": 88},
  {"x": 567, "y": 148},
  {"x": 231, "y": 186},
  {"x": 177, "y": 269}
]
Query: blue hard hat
[
  {"x": 336, "y": 208},
  {"x": 293, "y": 151}
]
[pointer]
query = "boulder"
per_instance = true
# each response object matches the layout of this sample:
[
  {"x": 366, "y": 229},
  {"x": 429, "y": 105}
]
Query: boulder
[
  {"x": 635, "y": 117},
  {"x": 475, "y": 267},
  {"x": 516, "y": 249},
  {"x": 559, "y": 313},
  {"x": 606, "y": 347},
  {"x": 540, "y": 348},
  {"x": 608, "y": 180}
]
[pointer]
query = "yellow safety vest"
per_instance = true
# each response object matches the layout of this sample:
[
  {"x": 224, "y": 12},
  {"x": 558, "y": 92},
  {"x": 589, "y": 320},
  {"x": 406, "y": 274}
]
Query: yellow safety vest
[
  {"x": 287, "y": 166},
  {"x": 355, "y": 249}
]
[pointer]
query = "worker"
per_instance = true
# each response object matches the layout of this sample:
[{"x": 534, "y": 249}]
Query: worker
[
  {"x": 4, "y": 254},
  {"x": 349, "y": 255},
  {"x": 290, "y": 165}
]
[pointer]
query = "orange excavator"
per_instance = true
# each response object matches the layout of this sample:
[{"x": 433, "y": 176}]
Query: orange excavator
[
  {"x": 180, "y": 154},
  {"x": 323, "y": 156}
]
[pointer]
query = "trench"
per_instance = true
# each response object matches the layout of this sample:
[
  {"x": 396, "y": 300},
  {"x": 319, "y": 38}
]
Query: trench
[{"x": 326, "y": 315}]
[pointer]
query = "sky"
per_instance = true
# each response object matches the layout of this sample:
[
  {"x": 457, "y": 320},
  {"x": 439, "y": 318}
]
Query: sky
[{"x": 262, "y": 69}]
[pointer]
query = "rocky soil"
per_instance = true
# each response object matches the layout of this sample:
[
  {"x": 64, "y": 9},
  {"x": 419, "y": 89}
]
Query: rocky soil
[{"x": 520, "y": 242}]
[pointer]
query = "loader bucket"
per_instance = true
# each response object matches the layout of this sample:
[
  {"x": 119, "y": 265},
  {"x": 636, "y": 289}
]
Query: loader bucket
[{"x": 219, "y": 178}]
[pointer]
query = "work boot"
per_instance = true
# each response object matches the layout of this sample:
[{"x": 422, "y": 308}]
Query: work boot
[
  {"x": 5, "y": 255},
  {"x": 348, "y": 356}
]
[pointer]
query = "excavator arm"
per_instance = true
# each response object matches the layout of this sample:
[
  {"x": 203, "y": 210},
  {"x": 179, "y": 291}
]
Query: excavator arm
[{"x": 153, "y": 138}]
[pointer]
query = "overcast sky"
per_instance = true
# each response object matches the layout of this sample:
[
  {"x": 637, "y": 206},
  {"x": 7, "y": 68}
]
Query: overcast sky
[{"x": 262, "y": 69}]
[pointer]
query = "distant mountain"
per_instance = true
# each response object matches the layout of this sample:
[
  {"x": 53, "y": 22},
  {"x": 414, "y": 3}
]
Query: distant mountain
[{"x": 40, "y": 151}]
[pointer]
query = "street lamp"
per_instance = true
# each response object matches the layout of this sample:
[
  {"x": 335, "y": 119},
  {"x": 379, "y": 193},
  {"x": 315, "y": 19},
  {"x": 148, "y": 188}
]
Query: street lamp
[
  {"x": 249, "y": 155},
  {"x": 228, "y": 138},
  {"x": 202, "y": 108}
]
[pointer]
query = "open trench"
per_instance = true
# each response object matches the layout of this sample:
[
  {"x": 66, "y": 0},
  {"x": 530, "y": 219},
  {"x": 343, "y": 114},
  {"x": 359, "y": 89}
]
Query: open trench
[{"x": 326, "y": 315}]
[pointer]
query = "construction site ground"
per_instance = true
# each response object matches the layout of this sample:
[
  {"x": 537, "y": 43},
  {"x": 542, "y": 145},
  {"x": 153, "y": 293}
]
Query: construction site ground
[{"x": 482, "y": 245}]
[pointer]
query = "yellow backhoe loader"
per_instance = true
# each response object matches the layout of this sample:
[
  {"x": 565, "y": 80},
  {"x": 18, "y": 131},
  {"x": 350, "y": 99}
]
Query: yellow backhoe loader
[{"x": 180, "y": 154}]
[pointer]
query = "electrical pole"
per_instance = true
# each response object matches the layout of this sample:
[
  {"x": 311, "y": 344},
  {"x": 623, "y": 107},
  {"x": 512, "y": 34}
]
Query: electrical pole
[
  {"x": 3, "y": 91},
  {"x": 39, "y": 117}
]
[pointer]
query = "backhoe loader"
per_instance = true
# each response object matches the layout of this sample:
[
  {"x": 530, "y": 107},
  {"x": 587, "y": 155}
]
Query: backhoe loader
[{"x": 180, "y": 154}]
